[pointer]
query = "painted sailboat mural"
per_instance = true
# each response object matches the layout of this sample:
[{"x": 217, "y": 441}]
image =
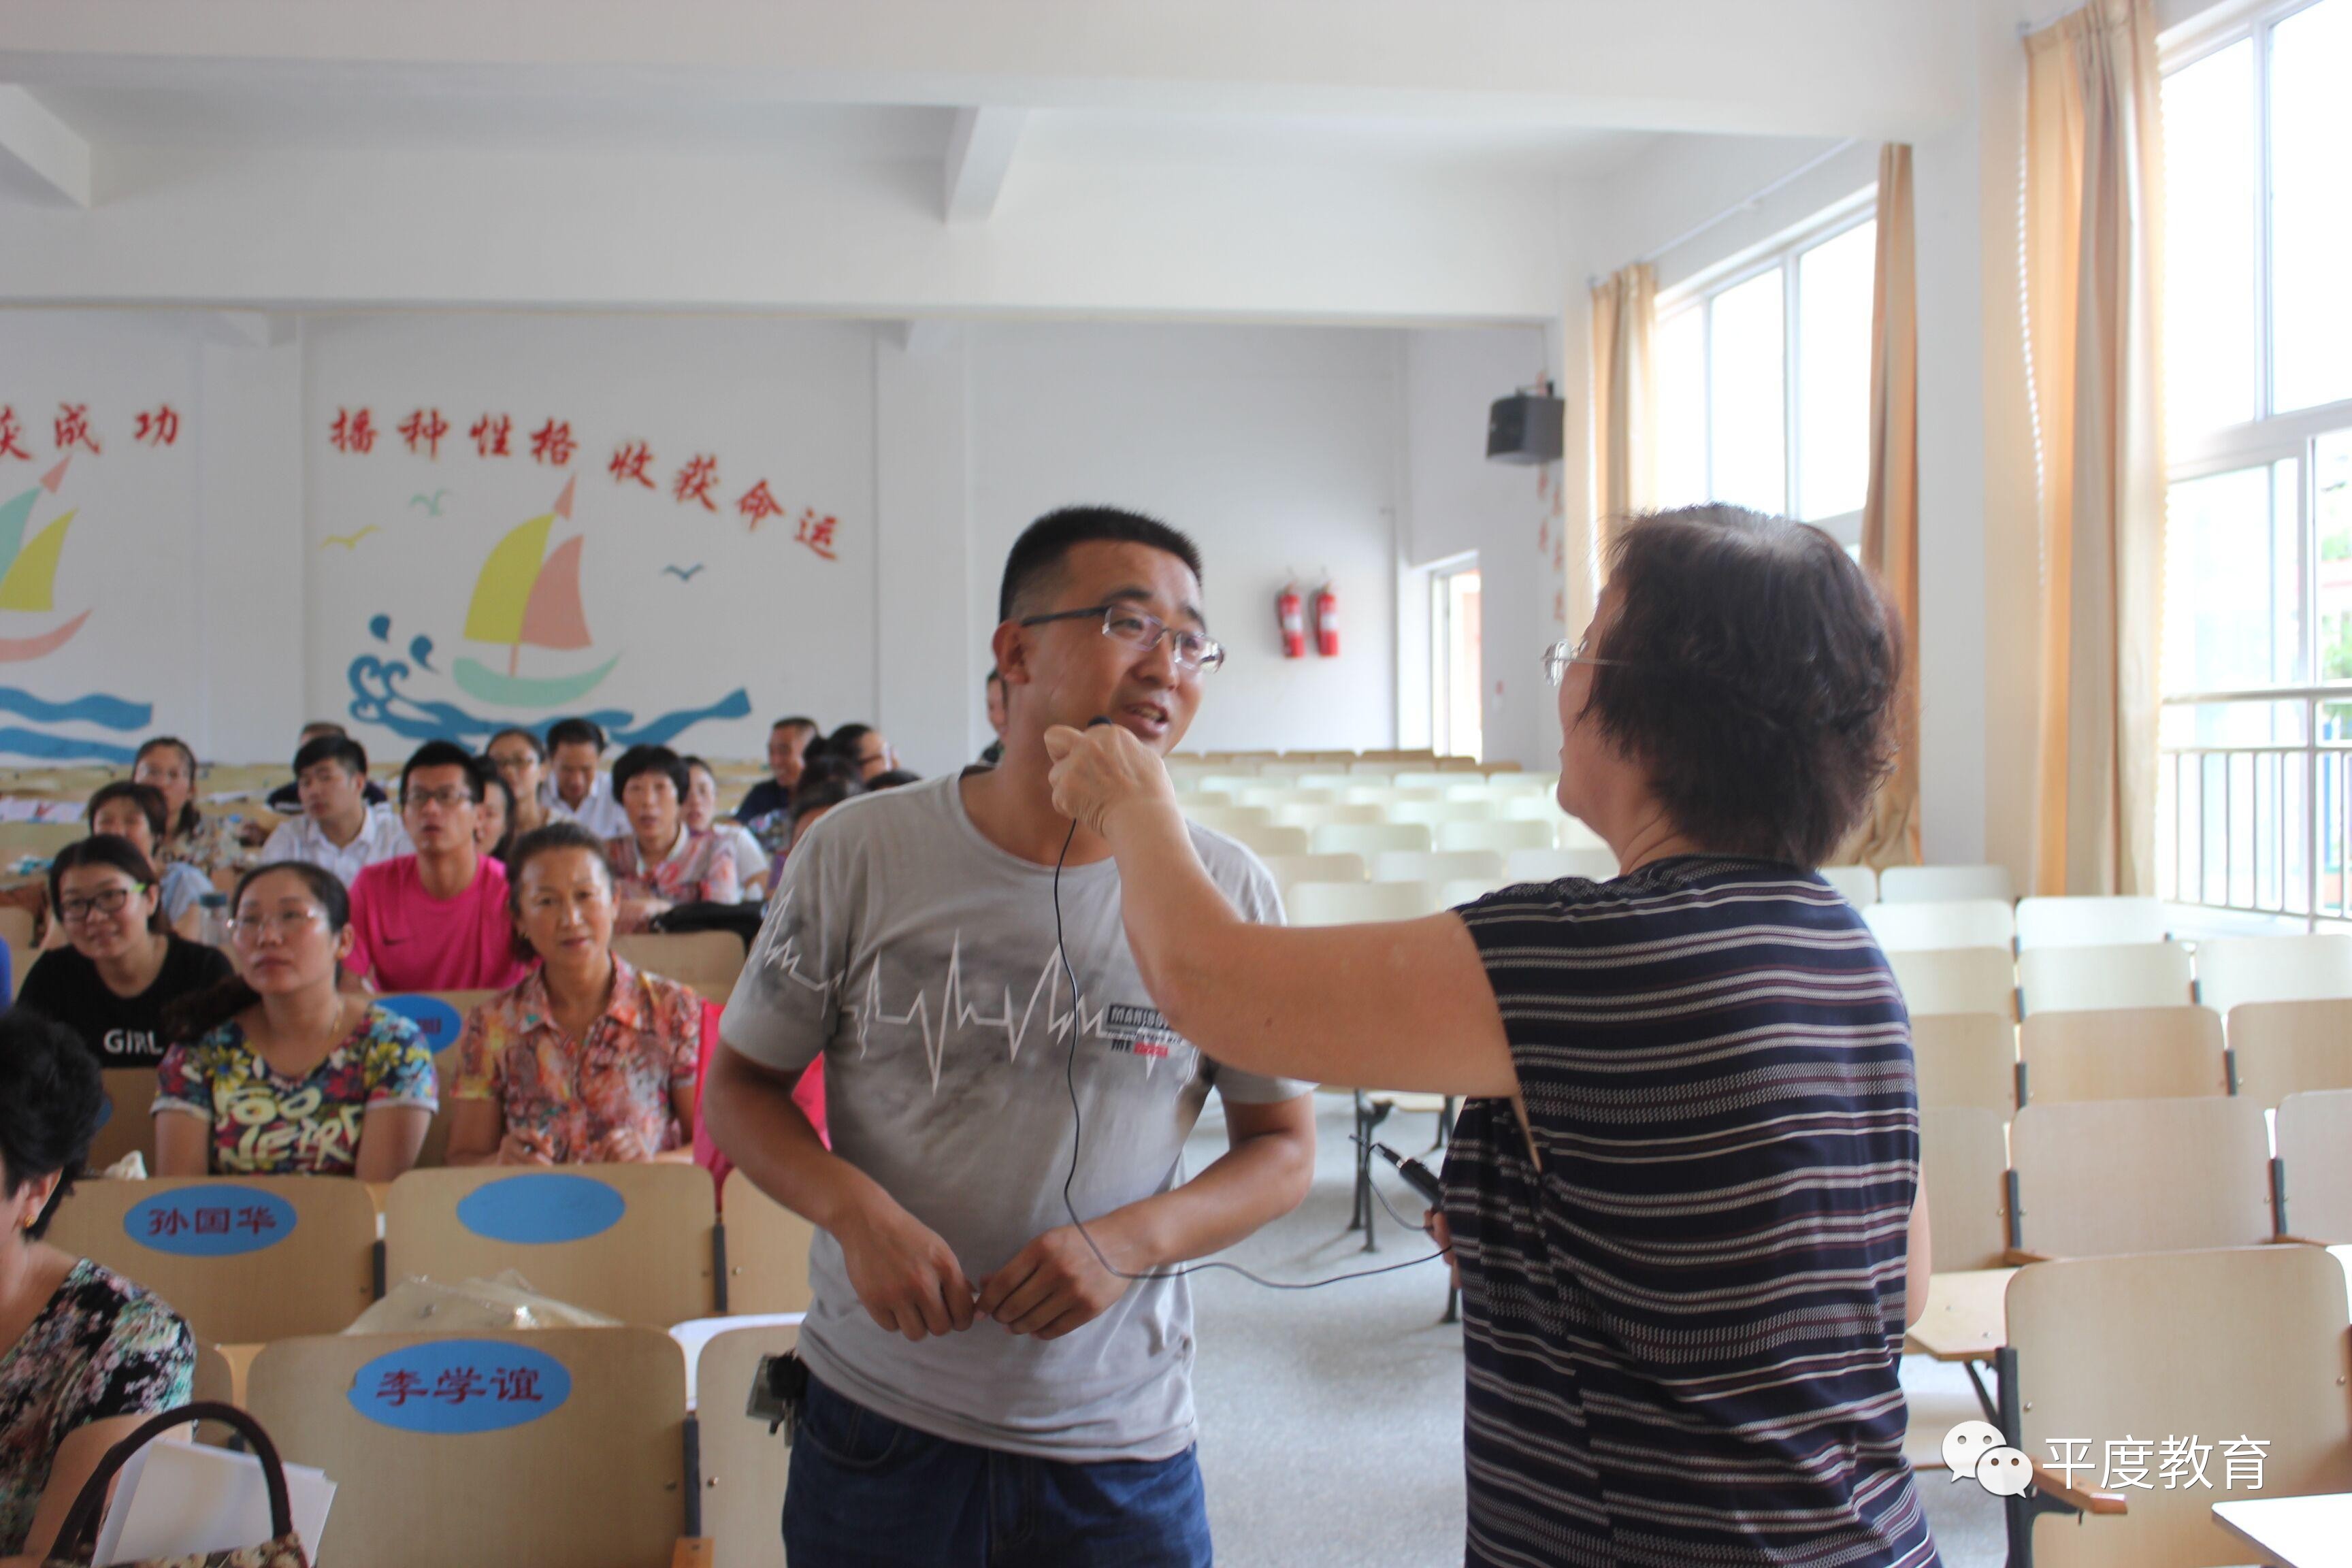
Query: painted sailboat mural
[
  {"x": 528, "y": 597},
  {"x": 28, "y": 571}
]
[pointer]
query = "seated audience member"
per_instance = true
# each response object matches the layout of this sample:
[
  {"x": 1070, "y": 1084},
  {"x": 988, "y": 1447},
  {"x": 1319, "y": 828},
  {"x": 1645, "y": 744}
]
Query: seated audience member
[
  {"x": 589, "y": 1060},
  {"x": 660, "y": 862},
  {"x": 863, "y": 749},
  {"x": 521, "y": 758},
  {"x": 436, "y": 919},
  {"x": 85, "y": 1355},
  {"x": 279, "y": 1071},
  {"x": 701, "y": 812},
  {"x": 816, "y": 796},
  {"x": 135, "y": 812},
  {"x": 338, "y": 829},
  {"x": 286, "y": 800},
  {"x": 204, "y": 842},
  {"x": 993, "y": 690},
  {"x": 494, "y": 832},
  {"x": 125, "y": 964},
  {"x": 788, "y": 742},
  {"x": 897, "y": 778},
  {"x": 577, "y": 790}
]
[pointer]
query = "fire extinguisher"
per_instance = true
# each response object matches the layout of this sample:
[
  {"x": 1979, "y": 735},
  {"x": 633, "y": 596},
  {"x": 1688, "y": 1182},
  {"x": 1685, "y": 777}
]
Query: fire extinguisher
[
  {"x": 1327, "y": 622},
  {"x": 1292, "y": 614}
]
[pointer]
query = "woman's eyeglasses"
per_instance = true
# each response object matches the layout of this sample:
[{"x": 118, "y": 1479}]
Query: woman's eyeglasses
[
  {"x": 285, "y": 924},
  {"x": 1560, "y": 656},
  {"x": 73, "y": 911},
  {"x": 1125, "y": 623}
]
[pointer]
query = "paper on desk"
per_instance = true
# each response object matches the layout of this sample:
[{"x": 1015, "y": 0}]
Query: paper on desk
[{"x": 177, "y": 1498}]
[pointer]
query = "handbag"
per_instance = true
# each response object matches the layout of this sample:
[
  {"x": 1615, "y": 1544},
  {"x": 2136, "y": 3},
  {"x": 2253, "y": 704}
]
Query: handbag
[{"x": 77, "y": 1537}]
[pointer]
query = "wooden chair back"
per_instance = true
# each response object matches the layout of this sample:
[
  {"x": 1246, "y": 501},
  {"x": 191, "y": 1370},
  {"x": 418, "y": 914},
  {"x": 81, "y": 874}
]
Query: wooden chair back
[
  {"x": 767, "y": 1250},
  {"x": 2085, "y": 979},
  {"x": 744, "y": 1464},
  {"x": 1552, "y": 865},
  {"x": 1957, "y": 980},
  {"x": 2089, "y": 921},
  {"x": 1290, "y": 869},
  {"x": 441, "y": 1017},
  {"x": 1271, "y": 840},
  {"x": 1921, "y": 926},
  {"x": 129, "y": 1124},
  {"x": 42, "y": 839},
  {"x": 2123, "y": 1053},
  {"x": 1962, "y": 1157},
  {"x": 1965, "y": 1059},
  {"x": 1936, "y": 884},
  {"x": 708, "y": 960},
  {"x": 1858, "y": 885},
  {"x": 2232, "y": 970},
  {"x": 2314, "y": 1157},
  {"x": 2100, "y": 1177},
  {"x": 1438, "y": 866},
  {"x": 1367, "y": 839},
  {"x": 1351, "y": 903},
  {"x": 2288, "y": 1048},
  {"x": 1502, "y": 837}
]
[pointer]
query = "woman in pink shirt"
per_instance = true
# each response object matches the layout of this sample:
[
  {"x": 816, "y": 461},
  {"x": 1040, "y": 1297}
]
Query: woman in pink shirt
[{"x": 436, "y": 920}]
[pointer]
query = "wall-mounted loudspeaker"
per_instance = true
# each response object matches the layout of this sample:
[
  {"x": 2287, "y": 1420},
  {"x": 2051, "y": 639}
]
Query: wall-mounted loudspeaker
[{"x": 1526, "y": 427}]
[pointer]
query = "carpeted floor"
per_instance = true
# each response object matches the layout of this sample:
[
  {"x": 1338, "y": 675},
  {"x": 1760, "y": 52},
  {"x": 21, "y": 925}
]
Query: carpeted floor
[{"x": 1331, "y": 1419}]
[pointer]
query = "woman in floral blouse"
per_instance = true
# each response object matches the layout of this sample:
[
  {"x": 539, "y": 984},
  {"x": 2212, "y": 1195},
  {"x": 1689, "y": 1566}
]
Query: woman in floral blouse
[
  {"x": 661, "y": 861},
  {"x": 85, "y": 1355},
  {"x": 168, "y": 765},
  {"x": 588, "y": 1060},
  {"x": 279, "y": 1073}
]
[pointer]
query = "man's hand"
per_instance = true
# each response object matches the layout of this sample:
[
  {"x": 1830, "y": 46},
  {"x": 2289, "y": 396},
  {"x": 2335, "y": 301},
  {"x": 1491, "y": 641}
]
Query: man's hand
[
  {"x": 905, "y": 1276},
  {"x": 1054, "y": 1285}
]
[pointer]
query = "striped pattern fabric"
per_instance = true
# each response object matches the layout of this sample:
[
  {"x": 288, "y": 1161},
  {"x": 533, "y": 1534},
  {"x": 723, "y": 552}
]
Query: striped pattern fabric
[{"x": 1681, "y": 1335}]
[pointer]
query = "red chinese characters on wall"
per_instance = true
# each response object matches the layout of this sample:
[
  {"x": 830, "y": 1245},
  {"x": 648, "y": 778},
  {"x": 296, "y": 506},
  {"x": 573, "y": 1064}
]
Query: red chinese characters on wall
[
  {"x": 694, "y": 481},
  {"x": 157, "y": 426},
  {"x": 630, "y": 460},
  {"x": 490, "y": 434},
  {"x": 817, "y": 533},
  {"x": 12, "y": 436},
  {"x": 423, "y": 431},
  {"x": 757, "y": 505},
  {"x": 73, "y": 429},
  {"x": 553, "y": 444}
]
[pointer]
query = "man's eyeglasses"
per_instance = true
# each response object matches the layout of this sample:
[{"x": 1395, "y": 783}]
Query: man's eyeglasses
[
  {"x": 1560, "y": 656},
  {"x": 73, "y": 911},
  {"x": 448, "y": 797},
  {"x": 1125, "y": 623}
]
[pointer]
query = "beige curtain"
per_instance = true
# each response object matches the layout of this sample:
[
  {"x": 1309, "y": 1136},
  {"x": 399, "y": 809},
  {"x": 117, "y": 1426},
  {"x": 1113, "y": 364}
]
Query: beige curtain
[
  {"x": 2094, "y": 189},
  {"x": 1890, "y": 516},
  {"x": 1624, "y": 404}
]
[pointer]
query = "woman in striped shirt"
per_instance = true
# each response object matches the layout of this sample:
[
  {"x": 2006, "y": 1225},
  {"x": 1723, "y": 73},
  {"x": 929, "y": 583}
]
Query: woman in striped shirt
[{"x": 1681, "y": 1196}]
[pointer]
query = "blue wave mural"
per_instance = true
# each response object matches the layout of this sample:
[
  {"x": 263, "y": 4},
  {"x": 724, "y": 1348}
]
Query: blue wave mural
[
  {"x": 377, "y": 698},
  {"x": 117, "y": 713}
]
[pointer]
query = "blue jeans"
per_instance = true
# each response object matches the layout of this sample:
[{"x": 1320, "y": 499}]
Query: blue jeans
[{"x": 867, "y": 1493}]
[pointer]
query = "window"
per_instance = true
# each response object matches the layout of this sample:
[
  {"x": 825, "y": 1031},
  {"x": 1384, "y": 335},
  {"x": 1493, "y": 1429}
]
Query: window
[
  {"x": 1455, "y": 682},
  {"x": 2256, "y": 664},
  {"x": 1764, "y": 380}
]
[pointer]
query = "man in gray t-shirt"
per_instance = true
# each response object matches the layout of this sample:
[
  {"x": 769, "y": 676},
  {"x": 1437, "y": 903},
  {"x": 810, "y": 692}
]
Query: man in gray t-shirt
[{"x": 983, "y": 1388}]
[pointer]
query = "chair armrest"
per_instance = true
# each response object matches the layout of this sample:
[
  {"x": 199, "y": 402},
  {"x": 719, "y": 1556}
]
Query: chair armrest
[
  {"x": 2017, "y": 1258},
  {"x": 2083, "y": 1498}
]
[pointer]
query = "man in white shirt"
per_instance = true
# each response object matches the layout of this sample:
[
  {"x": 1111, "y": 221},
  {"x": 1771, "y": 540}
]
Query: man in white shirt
[
  {"x": 575, "y": 787},
  {"x": 338, "y": 829}
]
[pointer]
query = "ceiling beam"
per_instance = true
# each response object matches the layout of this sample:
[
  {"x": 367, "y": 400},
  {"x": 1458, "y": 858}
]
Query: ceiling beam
[
  {"x": 980, "y": 155},
  {"x": 44, "y": 145}
]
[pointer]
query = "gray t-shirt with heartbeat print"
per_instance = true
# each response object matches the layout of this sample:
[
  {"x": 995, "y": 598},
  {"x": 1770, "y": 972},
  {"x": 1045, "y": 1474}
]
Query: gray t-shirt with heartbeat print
[{"x": 918, "y": 960}]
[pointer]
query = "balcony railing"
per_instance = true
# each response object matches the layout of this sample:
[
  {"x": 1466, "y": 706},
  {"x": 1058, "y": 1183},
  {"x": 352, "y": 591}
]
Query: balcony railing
[{"x": 2254, "y": 801}]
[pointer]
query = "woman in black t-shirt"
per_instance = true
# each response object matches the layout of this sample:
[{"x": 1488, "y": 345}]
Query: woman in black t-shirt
[{"x": 125, "y": 964}]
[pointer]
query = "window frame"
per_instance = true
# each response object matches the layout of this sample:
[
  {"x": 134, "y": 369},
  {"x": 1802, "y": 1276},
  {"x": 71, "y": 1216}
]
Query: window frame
[
  {"x": 1699, "y": 291},
  {"x": 1439, "y": 576}
]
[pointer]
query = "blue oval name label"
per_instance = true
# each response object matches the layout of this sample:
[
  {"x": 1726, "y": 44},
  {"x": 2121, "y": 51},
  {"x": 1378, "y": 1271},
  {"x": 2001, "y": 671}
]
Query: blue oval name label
[
  {"x": 448, "y": 1387},
  {"x": 439, "y": 1021},
  {"x": 210, "y": 1221},
  {"x": 540, "y": 1209}
]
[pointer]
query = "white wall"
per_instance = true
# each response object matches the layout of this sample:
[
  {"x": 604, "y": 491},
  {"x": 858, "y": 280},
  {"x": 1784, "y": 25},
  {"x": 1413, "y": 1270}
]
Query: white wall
[{"x": 224, "y": 602}]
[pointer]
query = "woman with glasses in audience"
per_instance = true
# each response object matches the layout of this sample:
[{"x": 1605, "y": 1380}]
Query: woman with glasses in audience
[
  {"x": 660, "y": 862},
  {"x": 588, "y": 1060},
  {"x": 701, "y": 812},
  {"x": 521, "y": 758},
  {"x": 125, "y": 964},
  {"x": 278, "y": 1072},
  {"x": 136, "y": 811},
  {"x": 85, "y": 1355},
  {"x": 205, "y": 842}
]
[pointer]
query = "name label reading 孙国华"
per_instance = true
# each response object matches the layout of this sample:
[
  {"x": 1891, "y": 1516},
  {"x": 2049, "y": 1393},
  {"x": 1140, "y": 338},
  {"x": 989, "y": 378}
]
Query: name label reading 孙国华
[{"x": 210, "y": 1220}]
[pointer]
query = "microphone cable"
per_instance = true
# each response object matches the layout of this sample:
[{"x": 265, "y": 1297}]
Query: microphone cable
[{"x": 1077, "y": 1131}]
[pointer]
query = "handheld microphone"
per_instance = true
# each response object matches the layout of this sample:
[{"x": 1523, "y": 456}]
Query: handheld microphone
[{"x": 1417, "y": 1176}]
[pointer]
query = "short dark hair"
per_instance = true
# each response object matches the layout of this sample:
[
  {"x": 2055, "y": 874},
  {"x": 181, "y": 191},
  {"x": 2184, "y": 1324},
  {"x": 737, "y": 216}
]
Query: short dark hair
[
  {"x": 537, "y": 747},
  {"x": 844, "y": 743},
  {"x": 335, "y": 748},
  {"x": 50, "y": 1097},
  {"x": 189, "y": 815},
  {"x": 442, "y": 754},
  {"x": 107, "y": 849},
  {"x": 823, "y": 795},
  {"x": 650, "y": 759},
  {"x": 202, "y": 1012},
  {"x": 1037, "y": 555},
  {"x": 574, "y": 732},
  {"x": 895, "y": 778},
  {"x": 563, "y": 833},
  {"x": 795, "y": 723},
  {"x": 487, "y": 771},
  {"x": 317, "y": 727},
  {"x": 146, "y": 797},
  {"x": 1752, "y": 667}
]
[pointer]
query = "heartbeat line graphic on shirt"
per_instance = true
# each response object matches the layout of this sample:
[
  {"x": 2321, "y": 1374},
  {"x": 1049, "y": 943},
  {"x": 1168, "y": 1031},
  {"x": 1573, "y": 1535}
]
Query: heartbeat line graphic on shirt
[{"x": 1138, "y": 1031}]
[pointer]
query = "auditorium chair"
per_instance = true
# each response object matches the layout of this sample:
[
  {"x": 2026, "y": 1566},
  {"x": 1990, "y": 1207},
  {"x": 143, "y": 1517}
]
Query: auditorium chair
[
  {"x": 1287, "y": 870},
  {"x": 549, "y": 1446},
  {"x": 2080, "y": 979},
  {"x": 1368, "y": 838},
  {"x": 1438, "y": 866},
  {"x": 2311, "y": 1178},
  {"x": 1941, "y": 884},
  {"x": 129, "y": 1124},
  {"x": 2233, "y": 970},
  {"x": 1962, "y": 1162},
  {"x": 2088, "y": 921},
  {"x": 2098, "y": 1177},
  {"x": 242, "y": 1259},
  {"x": 2122, "y": 1053},
  {"x": 1311, "y": 815},
  {"x": 1354, "y": 903},
  {"x": 632, "y": 1241},
  {"x": 1551, "y": 865},
  {"x": 741, "y": 1464},
  {"x": 2278, "y": 1048},
  {"x": 765, "y": 1250},
  {"x": 1965, "y": 1059},
  {"x": 1228, "y": 819},
  {"x": 1500, "y": 837},
  {"x": 707, "y": 960},
  {"x": 1957, "y": 980},
  {"x": 2208, "y": 1345},
  {"x": 1926, "y": 927},
  {"x": 1270, "y": 841},
  {"x": 1858, "y": 885}
]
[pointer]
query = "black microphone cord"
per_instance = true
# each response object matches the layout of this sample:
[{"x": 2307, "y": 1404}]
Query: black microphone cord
[{"x": 1078, "y": 1128}]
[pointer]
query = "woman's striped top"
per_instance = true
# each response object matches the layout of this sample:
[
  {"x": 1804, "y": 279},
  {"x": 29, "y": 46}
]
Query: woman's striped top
[{"x": 1681, "y": 1334}]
